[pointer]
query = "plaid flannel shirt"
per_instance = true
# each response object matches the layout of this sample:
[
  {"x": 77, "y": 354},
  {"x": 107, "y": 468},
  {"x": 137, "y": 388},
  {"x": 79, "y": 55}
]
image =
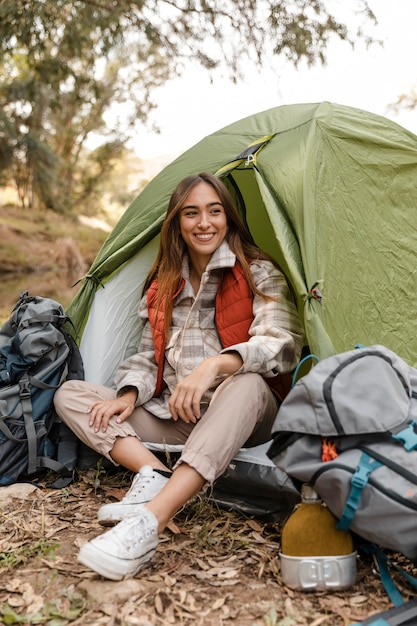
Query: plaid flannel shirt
[{"x": 276, "y": 334}]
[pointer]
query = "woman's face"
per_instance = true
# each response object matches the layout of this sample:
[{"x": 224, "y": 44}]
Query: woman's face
[{"x": 203, "y": 223}]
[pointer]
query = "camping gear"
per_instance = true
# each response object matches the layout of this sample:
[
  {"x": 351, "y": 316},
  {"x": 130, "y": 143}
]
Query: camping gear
[
  {"x": 327, "y": 190},
  {"x": 36, "y": 356},
  {"x": 314, "y": 554},
  {"x": 348, "y": 428}
]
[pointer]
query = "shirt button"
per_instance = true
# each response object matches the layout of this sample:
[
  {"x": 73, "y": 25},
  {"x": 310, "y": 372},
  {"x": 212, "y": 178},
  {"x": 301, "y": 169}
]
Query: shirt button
[
  {"x": 188, "y": 364},
  {"x": 256, "y": 367}
]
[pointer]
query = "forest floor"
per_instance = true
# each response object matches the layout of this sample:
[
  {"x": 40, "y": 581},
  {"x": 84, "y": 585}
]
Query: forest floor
[{"x": 212, "y": 567}]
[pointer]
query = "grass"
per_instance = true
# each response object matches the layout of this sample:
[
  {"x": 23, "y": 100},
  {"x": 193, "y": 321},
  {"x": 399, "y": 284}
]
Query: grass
[
  {"x": 56, "y": 613},
  {"x": 33, "y": 235},
  {"x": 30, "y": 258},
  {"x": 18, "y": 556},
  {"x": 12, "y": 256}
]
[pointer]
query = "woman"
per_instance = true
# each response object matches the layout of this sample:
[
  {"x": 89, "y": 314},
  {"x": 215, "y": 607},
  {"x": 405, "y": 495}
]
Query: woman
[{"x": 218, "y": 321}]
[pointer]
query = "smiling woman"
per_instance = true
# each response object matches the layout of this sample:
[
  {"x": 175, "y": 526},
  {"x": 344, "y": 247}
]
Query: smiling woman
[{"x": 219, "y": 324}]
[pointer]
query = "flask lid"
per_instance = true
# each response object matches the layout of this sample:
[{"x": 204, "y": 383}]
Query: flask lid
[{"x": 308, "y": 494}]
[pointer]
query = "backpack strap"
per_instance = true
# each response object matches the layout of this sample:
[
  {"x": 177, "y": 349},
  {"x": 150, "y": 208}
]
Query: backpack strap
[
  {"x": 384, "y": 563},
  {"x": 65, "y": 477},
  {"x": 46, "y": 316},
  {"x": 389, "y": 585},
  {"x": 41, "y": 385},
  {"x": 300, "y": 364},
  {"x": 24, "y": 386},
  {"x": 32, "y": 436},
  {"x": 408, "y": 438},
  {"x": 359, "y": 480}
]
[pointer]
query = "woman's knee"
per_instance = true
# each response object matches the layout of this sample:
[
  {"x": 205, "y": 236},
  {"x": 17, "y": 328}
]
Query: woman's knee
[
  {"x": 80, "y": 393},
  {"x": 66, "y": 390},
  {"x": 248, "y": 384}
]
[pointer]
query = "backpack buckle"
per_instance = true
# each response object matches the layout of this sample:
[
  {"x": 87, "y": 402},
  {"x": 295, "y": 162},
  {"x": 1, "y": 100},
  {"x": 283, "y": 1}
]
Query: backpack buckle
[
  {"x": 24, "y": 386},
  {"x": 407, "y": 436},
  {"x": 362, "y": 472}
]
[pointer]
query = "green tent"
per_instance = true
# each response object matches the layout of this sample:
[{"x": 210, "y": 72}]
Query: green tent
[
  {"x": 328, "y": 190},
  {"x": 331, "y": 193}
]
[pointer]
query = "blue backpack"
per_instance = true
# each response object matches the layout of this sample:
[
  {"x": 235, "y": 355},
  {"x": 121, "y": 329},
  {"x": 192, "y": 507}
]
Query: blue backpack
[{"x": 36, "y": 356}]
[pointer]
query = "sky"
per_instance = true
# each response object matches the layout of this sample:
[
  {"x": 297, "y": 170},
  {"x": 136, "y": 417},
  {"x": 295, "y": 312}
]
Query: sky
[{"x": 190, "y": 107}]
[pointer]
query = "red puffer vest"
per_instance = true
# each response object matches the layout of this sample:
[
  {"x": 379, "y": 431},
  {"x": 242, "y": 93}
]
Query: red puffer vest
[{"x": 233, "y": 318}]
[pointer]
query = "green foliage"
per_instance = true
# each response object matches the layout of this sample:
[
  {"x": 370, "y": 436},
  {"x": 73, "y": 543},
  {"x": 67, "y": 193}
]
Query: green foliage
[
  {"x": 12, "y": 558},
  {"x": 100, "y": 471},
  {"x": 55, "y": 613},
  {"x": 63, "y": 65}
]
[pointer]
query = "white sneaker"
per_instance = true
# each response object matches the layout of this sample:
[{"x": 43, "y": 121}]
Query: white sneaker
[
  {"x": 146, "y": 484},
  {"x": 122, "y": 551}
]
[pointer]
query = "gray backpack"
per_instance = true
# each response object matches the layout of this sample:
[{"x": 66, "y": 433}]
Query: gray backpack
[
  {"x": 349, "y": 429},
  {"x": 36, "y": 356}
]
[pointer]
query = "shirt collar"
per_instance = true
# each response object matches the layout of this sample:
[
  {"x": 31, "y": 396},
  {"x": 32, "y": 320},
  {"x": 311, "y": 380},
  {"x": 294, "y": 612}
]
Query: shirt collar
[{"x": 222, "y": 257}]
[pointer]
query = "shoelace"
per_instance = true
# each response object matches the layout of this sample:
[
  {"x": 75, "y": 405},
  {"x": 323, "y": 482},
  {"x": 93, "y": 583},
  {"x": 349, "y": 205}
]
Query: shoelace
[
  {"x": 137, "y": 486},
  {"x": 132, "y": 531}
]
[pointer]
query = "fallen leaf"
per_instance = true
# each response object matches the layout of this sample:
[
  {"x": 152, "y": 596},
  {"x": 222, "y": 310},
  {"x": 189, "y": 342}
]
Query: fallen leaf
[
  {"x": 16, "y": 600},
  {"x": 159, "y": 607},
  {"x": 358, "y": 600},
  {"x": 219, "y": 603},
  {"x": 36, "y": 604},
  {"x": 254, "y": 525},
  {"x": 169, "y": 580}
]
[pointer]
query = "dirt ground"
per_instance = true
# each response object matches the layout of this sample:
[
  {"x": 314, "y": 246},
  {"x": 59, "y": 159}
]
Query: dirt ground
[{"x": 212, "y": 567}]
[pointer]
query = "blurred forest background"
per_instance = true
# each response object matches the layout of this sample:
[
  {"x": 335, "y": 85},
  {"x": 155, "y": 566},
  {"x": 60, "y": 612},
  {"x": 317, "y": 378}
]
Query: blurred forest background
[{"x": 77, "y": 78}]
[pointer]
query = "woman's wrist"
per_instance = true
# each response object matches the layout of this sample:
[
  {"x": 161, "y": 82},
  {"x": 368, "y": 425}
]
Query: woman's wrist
[
  {"x": 228, "y": 363},
  {"x": 129, "y": 393}
]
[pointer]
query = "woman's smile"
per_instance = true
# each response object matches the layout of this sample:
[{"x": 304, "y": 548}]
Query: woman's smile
[{"x": 204, "y": 236}]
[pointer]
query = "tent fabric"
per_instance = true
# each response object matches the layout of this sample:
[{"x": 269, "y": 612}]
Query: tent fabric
[{"x": 329, "y": 191}]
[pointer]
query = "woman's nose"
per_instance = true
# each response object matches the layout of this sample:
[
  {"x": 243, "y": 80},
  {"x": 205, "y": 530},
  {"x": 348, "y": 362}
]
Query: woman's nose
[{"x": 204, "y": 221}]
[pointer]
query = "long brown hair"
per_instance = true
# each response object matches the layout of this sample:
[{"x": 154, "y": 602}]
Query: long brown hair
[{"x": 167, "y": 268}]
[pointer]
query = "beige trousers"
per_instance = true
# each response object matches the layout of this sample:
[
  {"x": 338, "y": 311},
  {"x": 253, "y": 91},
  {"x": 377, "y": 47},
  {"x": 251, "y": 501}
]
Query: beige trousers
[{"x": 241, "y": 413}]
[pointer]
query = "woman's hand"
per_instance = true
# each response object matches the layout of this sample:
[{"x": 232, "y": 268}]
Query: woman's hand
[
  {"x": 184, "y": 402},
  {"x": 102, "y": 411}
]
